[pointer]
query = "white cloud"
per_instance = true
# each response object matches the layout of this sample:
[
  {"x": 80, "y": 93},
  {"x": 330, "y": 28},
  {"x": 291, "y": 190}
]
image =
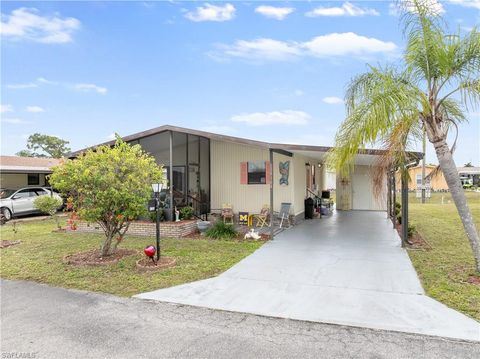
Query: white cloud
[
  {"x": 209, "y": 12},
  {"x": 111, "y": 136},
  {"x": 278, "y": 13},
  {"x": 347, "y": 9},
  {"x": 347, "y": 44},
  {"x": 90, "y": 88},
  {"x": 262, "y": 49},
  {"x": 6, "y": 108},
  {"x": 43, "y": 80},
  {"x": 466, "y": 3},
  {"x": 435, "y": 7},
  {"x": 332, "y": 100},
  {"x": 330, "y": 45},
  {"x": 15, "y": 121},
  {"x": 34, "y": 109},
  {"x": 22, "y": 86},
  {"x": 299, "y": 92},
  {"x": 26, "y": 24},
  {"x": 287, "y": 117}
]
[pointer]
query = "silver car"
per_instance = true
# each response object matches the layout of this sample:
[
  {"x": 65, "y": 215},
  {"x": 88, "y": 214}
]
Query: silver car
[{"x": 20, "y": 202}]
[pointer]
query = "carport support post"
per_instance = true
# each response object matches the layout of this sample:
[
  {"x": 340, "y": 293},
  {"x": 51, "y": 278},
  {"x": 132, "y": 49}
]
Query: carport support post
[
  {"x": 394, "y": 199},
  {"x": 389, "y": 196},
  {"x": 271, "y": 194},
  {"x": 170, "y": 184},
  {"x": 404, "y": 211}
]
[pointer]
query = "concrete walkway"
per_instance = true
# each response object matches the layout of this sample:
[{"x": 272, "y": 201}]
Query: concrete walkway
[{"x": 345, "y": 269}]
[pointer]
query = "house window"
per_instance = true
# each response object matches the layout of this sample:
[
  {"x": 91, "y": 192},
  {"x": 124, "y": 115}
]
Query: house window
[
  {"x": 419, "y": 180},
  {"x": 257, "y": 172},
  {"x": 33, "y": 179}
]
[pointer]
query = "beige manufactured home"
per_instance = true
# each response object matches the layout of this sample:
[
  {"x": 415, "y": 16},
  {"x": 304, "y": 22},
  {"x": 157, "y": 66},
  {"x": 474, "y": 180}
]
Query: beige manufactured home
[{"x": 207, "y": 170}]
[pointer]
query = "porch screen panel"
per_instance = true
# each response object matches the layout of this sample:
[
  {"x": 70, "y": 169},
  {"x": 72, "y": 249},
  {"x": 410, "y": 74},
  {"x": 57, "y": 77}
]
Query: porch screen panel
[
  {"x": 179, "y": 178},
  {"x": 205, "y": 173}
]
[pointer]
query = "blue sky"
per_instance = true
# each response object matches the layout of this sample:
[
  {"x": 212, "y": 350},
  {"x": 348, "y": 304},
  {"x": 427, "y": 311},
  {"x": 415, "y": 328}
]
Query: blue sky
[{"x": 273, "y": 71}]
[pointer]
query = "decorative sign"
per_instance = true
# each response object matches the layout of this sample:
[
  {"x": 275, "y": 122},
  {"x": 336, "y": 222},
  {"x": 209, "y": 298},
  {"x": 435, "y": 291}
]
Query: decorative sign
[
  {"x": 243, "y": 218},
  {"x": 284, "y": 168}
]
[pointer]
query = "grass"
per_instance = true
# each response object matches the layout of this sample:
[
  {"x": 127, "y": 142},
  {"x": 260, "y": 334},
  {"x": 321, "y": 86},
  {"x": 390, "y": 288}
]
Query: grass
[
  {"x": 445, "y": 268},
  {"x": 39, "y": 258}
]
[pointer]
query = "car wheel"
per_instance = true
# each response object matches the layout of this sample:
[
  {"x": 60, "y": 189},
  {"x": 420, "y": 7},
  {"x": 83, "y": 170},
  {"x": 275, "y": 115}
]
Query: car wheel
[{"x": 7, "y": 214}]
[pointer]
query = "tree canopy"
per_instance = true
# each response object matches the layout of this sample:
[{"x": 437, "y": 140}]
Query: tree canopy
[{"x": 49, "y": 146}]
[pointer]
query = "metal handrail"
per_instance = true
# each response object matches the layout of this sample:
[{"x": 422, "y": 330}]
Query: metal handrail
[{"x": 196, "y": 207}]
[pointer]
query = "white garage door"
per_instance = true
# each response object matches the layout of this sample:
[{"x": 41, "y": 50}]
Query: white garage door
[{"x": 362, "y": 196}]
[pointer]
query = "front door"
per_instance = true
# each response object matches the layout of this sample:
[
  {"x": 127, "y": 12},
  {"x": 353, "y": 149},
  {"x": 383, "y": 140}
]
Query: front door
[{"x": 362, "y": 190}]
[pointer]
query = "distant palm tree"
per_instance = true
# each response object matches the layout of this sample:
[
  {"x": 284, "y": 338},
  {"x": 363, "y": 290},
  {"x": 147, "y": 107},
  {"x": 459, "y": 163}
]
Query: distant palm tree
[{"x": 436, "y": 83}]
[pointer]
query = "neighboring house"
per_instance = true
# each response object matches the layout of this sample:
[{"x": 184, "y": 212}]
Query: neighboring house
[
  {"x": 18, "y": 172},
  {"x": 436, "y": 181},
  {"x": 469, "y": 175},
  {"x": 208, "y": 170}
]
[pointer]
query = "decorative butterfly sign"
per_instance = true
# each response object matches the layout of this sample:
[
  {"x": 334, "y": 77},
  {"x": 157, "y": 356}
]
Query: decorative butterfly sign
[{"x": 284, "y": 168}]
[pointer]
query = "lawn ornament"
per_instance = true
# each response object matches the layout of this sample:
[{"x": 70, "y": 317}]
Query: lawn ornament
[
  {"x": 150, "y": 252},
  {"x": 252, "y": 235}
]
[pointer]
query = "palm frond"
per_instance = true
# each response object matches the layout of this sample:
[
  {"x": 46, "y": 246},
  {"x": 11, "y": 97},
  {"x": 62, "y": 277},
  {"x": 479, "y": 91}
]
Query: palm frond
[{"x": 376, "y": 102}]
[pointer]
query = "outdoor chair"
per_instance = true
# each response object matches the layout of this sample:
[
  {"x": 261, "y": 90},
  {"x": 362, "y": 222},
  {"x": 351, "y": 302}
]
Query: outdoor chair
[
  {"x": 284, "y": 214},
  {"x": 262, "y": 217},
  {"x": 227, "y": 213}
]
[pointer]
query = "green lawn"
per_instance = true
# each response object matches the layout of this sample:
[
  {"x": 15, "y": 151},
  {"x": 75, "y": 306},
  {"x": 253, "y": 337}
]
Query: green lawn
[
  {"x": 445, "y": 268},
  {"x": 39, "y": 258}
]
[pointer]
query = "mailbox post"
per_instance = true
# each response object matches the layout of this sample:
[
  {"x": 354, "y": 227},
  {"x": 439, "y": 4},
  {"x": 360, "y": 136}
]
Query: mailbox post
[{"x": 157, "y": 188}]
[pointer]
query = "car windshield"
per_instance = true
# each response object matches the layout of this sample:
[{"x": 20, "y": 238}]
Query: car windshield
[{"x": 5, "y": 193}]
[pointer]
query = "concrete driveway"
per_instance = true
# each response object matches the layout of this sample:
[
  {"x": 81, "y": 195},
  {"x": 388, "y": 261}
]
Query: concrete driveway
[{"x": 345, "y": 269}]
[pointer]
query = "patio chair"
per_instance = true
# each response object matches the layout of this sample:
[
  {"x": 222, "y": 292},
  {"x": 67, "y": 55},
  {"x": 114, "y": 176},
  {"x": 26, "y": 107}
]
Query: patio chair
[
  {"x": 284, "y": 214},
  {"x": 227, "y": 213},
  {"x": 262, "y": 217}
]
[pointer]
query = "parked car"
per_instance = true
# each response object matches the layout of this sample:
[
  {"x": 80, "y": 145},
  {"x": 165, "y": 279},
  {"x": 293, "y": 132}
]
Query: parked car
[{"x": 20, "y": 202}]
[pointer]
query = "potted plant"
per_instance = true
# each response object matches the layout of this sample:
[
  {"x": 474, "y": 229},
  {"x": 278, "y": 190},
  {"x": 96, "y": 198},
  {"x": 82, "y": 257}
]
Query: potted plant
[
  {"x": 186, "y": 212},
  {"x": 202, "y": 226}
]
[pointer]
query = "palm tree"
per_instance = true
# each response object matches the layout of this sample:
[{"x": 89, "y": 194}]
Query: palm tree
[{"x": 437, "y": 81}]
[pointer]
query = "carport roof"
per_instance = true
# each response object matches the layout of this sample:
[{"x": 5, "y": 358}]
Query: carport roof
[{"x": 307, "y": 150}]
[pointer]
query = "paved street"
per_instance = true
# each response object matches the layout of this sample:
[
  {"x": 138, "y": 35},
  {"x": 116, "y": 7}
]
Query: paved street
[{"x": 51, "y": 322}]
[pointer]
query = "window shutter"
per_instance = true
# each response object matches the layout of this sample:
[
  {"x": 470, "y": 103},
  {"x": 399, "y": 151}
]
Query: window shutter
[
  {"x": 243, "y": 172},
  {"x": 268, "y": 172}
]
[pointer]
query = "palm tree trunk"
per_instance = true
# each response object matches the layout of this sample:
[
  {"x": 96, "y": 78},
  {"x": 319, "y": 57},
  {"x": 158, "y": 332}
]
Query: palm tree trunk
[{"x": 449, "y": 169}]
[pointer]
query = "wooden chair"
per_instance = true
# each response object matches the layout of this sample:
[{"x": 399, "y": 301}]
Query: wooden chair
[
  {"x": 262, "y": 217},
  {"x": 227, "y": 213}
]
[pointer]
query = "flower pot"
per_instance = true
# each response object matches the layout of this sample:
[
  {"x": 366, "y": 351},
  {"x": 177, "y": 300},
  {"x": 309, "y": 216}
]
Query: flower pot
[{"x": 203, "y": 226}]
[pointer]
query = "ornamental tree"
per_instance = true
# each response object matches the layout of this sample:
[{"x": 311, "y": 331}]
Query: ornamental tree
[
  {"x": 49, "y": 205},
  {"x": 109, "y": 186}
]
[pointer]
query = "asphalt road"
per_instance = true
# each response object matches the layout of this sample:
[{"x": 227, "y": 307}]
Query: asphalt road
[{"x": 38, "y": 321}]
